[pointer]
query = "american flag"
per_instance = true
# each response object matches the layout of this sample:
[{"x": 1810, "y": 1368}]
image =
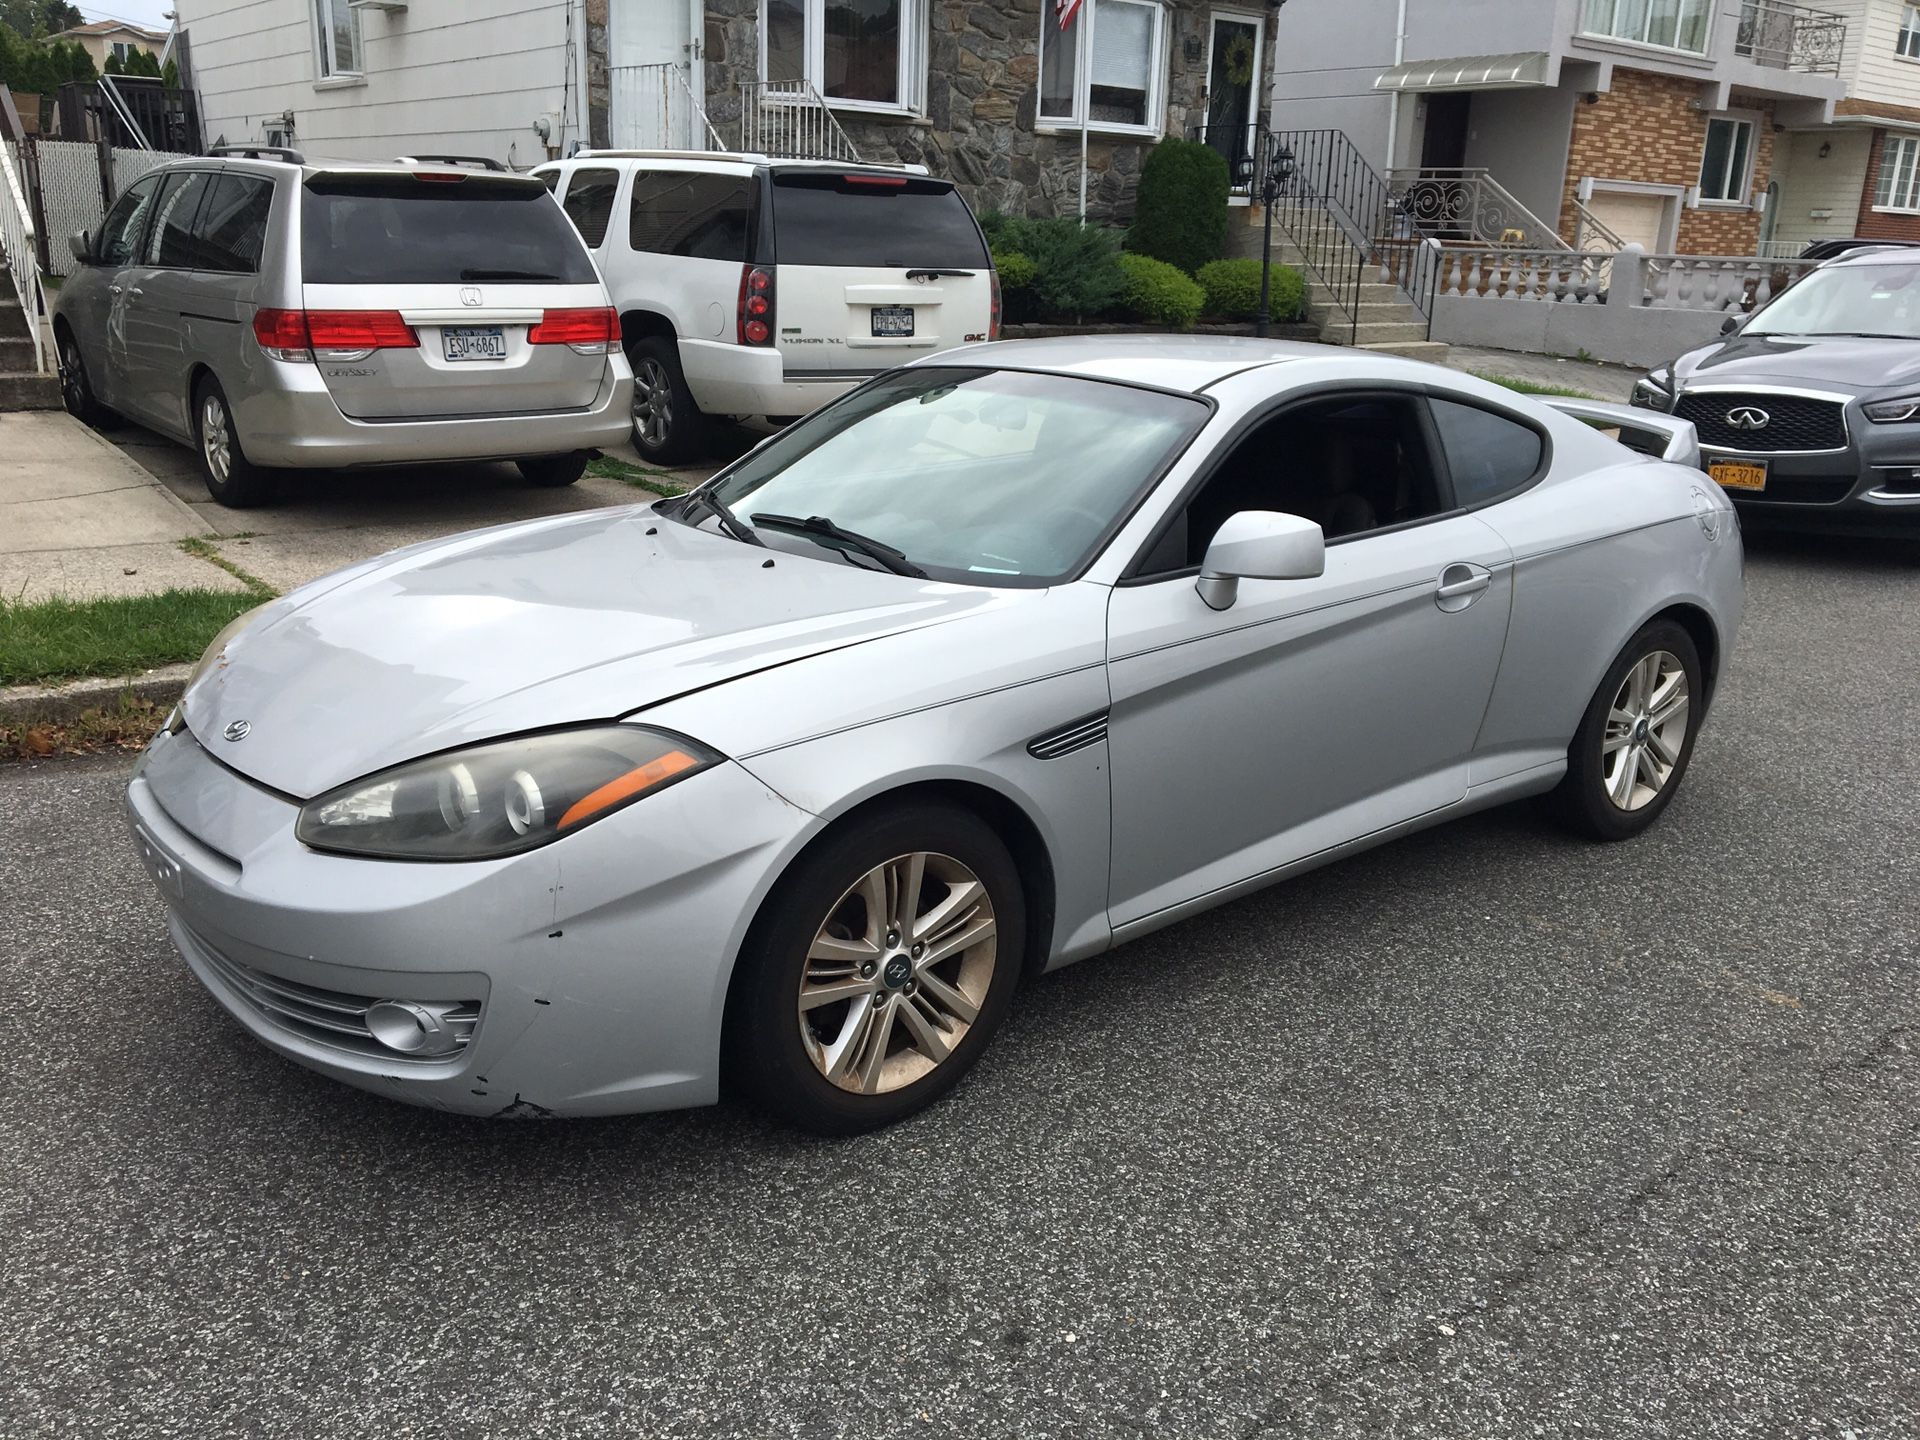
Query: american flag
[{"x": 1065, "y": 10}]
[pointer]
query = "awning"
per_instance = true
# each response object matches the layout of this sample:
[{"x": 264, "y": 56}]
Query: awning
[{"x": 1471, "y": 72}]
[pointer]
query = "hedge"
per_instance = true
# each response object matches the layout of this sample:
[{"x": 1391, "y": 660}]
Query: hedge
[
  {"x": 1159, "y": 293},
  {"x": 1076, "y": 271},
  {"x": 1181, "y": 216},
  {"x": 1233, "y": 289}
]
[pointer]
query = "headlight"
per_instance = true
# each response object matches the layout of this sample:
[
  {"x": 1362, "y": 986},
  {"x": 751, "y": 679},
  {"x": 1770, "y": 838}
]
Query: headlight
[
  {"x": 216, "y": 652},
  {"x": 1654, "y": 391},
  {"x": 501, "y": 798},
  {"x": 1890, "y": 411}
]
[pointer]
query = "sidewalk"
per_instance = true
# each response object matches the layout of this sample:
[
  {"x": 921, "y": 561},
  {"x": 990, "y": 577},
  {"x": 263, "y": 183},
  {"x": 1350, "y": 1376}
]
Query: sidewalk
[{"x": 1602, "y": 382}]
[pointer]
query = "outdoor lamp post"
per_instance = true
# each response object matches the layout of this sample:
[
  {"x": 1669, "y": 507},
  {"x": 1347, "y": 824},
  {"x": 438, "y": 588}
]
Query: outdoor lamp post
[{"x": 1280, "y": 168}]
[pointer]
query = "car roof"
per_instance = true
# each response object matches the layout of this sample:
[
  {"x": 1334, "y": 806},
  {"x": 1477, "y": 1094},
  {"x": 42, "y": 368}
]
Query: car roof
[
  {"x": 743, "y": 160},
  {"x": 1168, "y": 362},
  {"x": 265, "y": 162},
  {"x": 1878, "y": 254}
]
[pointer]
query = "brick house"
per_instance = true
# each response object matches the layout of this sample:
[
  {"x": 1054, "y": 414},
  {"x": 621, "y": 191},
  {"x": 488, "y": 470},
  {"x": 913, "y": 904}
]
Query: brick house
[
  {"x": 1607, "y": 120},
  {"x": 990, "y": 92}
]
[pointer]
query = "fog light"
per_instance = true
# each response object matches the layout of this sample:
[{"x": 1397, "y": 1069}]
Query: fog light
[{"x": 412, "y": 1029}]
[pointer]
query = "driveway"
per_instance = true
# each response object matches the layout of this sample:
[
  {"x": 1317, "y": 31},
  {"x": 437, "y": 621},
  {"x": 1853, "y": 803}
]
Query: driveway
[{"x": 1485, "y": 1133}]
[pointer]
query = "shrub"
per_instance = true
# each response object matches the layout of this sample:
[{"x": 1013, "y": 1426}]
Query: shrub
[
  {"x": 1181, "y": 216},
  {"x": 1233, "y": 289},
  {"x": 1076, "y": 269},
  {"x": 1017, "y": 270},
  {"x": 1159, "y": 293}
]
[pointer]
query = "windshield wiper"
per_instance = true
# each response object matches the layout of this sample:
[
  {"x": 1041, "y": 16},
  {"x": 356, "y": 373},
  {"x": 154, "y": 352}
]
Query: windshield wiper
[
  {"x": 701, "y": 501},
  {"x": 823, "y": 528},
  {"x": 506, "y": 275},
  {"x": 1855, "y": 335}
]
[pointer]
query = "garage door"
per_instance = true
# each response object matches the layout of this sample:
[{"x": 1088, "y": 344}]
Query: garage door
[{"x": 1636, "y": 219}]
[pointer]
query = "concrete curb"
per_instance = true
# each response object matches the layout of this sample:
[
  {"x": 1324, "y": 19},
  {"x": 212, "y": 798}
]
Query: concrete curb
[{"x": 61, "y": 704}]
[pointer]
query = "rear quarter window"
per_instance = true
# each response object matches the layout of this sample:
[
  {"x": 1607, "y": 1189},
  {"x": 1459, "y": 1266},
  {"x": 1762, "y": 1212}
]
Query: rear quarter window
[
  {"x": 705, "y": 217},
  {"x": 589, "y": 203},
  {"x": 399, "y": 230},
  {"x": 873, "y": 221},
  {"x": 1488, "y": 455}
]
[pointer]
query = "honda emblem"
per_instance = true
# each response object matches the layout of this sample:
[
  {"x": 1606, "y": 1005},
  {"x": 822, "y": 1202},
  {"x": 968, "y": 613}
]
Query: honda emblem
[{"x": 469, "y": 294}]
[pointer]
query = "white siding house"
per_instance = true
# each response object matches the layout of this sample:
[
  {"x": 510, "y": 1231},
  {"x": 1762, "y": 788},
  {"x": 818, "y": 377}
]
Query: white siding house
[{"x": 362, "y": 80}]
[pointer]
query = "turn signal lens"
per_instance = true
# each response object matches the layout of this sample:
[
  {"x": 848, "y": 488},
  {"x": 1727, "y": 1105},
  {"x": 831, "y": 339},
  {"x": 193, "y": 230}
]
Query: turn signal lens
[
  {"x": 616, "y": 792},
  {"x": 360, "y": 330},
  {"x": 755, "y": 313},
  {"x": 598, "y": 326},
  {"x": 283, "y": 334},
  {"x": 1888, "y": 412}
]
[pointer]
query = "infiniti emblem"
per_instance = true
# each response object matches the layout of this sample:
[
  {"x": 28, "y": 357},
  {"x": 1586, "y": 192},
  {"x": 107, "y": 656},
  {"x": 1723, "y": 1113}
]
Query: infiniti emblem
[
  {"x": 1748, "y": 417},
  {"x": 237, "y": 730},
  {"x": 469, "y": 294}
]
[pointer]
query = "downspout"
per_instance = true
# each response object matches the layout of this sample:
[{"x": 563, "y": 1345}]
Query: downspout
[
  {"x": 1399, "y": 58},
  {"x": 583, "y": 109}
]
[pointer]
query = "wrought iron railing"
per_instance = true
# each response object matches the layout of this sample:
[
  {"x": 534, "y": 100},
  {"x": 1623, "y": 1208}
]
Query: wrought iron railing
[
  {"x": 1467, "y": 203},
  {"x": 789, "y": 118},
  {"x": 1590, "y": 232},
  {"x": 1784, "y": 36},
  {"x": 132, "y": 112},
  {"x": 651, "y": 107},
  {"x": 18, "y": 242}
]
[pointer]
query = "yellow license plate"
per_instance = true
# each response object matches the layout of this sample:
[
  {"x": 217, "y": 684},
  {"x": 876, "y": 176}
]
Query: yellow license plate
[{"x": 1738, "y": 477}]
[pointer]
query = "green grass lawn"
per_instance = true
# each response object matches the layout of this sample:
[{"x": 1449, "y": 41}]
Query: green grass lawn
[
  {"x": 1532, "y": 387},
  {"x": 47, "y": 640},
  {"x": 658, "y": 481}
]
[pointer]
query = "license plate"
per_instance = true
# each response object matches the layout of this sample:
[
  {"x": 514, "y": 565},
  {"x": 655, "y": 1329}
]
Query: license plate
[
  {"x": 475, "y": 342},
  {"x": 1739, "y": 474},
  {"x": 892, "y": 320}
]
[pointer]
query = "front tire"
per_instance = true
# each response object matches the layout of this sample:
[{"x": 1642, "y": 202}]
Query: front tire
[
  {"x": 551, "y": 472},
  {"x": 1633, "y": 745},
  {"x": 76, "y": 388},
  {"x": 668, "y": 428},
  {"x": 232, "y": 479},
  {"x": 878, "y": 970}
]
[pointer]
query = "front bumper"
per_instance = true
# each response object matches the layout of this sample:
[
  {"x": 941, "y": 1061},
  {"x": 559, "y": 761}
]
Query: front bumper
[
  {"x": 587, "y": 977},
  {"x": 288, "y": 418}
]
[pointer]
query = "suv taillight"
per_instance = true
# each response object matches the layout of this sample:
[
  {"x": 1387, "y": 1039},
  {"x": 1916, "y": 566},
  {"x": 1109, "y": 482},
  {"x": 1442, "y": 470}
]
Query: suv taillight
[
  {"x": 331, "y": 334},
  {"x": 589, "y": 332},
  {"x": 756, "y": 305},
  {"x": 993, "y": 314}
]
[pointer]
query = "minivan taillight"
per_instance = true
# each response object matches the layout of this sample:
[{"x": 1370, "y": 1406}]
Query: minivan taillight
[
  {"x": 331, "y": 334},
  {"x": 993, "y": 314},
  {"x": 589, "y": 332},
  {"x": 756, "y": 305}
]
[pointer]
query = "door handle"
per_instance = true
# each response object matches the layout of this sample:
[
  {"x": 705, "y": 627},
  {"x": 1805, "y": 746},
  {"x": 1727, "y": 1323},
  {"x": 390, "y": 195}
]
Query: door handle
[
  {"x": 136, "y": 291},
  {"x": 1471, "y": 585},
  {"x": 1460, "y": 585}
]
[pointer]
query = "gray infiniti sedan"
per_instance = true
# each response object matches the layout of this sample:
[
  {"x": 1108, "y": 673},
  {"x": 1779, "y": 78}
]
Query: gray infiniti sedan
[
  {"x": 1808, "y": 412},
  {"x": 1001, "y": 660}
]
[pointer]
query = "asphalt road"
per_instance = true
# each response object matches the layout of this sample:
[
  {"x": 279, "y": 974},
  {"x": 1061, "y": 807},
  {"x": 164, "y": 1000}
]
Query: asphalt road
[{"x": 1487, "y": 1133}]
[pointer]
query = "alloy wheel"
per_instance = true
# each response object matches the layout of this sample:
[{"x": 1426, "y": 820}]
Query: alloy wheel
[
  {"x": 897, "y": 975},
  {"x": 1646, "y": 730},
  {"x": 73, "y": 378},
  {"x": 216, "y": 439},
  {"x": 652, "y": 402}
]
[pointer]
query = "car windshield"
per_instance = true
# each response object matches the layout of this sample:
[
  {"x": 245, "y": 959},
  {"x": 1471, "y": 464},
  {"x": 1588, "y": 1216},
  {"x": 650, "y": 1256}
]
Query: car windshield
[
  {"x": 1877, "y": 300},
  {"x": 988, "y": 477}
]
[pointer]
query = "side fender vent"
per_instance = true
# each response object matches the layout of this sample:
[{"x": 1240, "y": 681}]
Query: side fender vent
[{"x": 1088, "y": 730}]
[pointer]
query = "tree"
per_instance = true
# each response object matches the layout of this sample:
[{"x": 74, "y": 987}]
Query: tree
[
  {"x": 144, "y": 62},
  {"x": 30, "y": 18},
  {"x": 113, "y": 66}
]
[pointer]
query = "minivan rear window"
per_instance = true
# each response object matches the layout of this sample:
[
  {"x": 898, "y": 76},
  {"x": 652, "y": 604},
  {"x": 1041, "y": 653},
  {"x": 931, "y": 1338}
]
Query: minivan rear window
[
  {"x": 400, "y": 230},
  {"x": 884, "y": 221}
]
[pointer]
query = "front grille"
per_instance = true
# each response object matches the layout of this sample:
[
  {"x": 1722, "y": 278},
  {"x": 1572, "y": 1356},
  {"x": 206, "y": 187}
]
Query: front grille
[
  {"x": 1794, "y": 422},
  {"x": 328, "y": 1017}
]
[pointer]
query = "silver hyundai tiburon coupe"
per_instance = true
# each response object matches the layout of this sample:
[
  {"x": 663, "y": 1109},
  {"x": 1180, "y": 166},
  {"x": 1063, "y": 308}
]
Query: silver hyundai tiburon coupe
[{"x": 1004, "y": 658}]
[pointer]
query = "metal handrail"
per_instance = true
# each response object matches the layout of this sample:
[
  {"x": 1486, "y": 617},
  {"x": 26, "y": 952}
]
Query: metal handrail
[
  {"x": 1590, "y": 232},
  {"x": 1467, "y": 202},
  {"x": 789, "y": 118},
  {"x": 17, "y": 239},
  {"x": 1782, "y": 35},
  {"x": 662, "y": 85},
  {"x": 112, "y": 92}
]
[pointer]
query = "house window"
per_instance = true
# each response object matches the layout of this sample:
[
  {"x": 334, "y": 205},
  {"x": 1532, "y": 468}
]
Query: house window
[
  {"x": 1728, "y": 161},
  {"x": 1899, "y": 187},
  {"x": 122, "y": 51},
  {"x": 1670, "y": 24},
  {"x": 1907, "y": 43},
  {"x": 1107, "y": 66},
  {"x": 336, "y": 34},
  {"x": 866, "y": 54}
]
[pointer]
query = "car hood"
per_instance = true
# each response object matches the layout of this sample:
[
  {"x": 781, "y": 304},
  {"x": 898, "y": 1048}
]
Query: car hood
[
  {"x": 582, "y": 617},
  {"x": 1849, "y": 365}
]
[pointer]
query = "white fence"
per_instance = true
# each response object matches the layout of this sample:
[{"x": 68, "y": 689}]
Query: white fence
[
  {"x": 18, "y": 250},
  {"x": 67, "y": 173}
]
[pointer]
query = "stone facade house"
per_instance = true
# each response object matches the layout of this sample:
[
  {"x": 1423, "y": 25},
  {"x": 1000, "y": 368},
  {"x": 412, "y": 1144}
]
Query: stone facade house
[{"x": 992, "y": 93}]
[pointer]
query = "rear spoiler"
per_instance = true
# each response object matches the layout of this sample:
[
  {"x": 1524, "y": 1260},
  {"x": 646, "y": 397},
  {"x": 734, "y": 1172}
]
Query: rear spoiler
[{"x": 1647, "y": 432}]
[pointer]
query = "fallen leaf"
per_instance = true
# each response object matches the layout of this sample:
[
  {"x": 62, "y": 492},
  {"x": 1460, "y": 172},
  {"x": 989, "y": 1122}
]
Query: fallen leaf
[{"x": 38, "y": 740}]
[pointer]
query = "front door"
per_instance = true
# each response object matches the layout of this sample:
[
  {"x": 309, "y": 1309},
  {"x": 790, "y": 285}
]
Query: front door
[
  {"x": 1443, "y": 145},
  {"x": 653, "y": 83},
  {"x": 1234, "y": 67}
]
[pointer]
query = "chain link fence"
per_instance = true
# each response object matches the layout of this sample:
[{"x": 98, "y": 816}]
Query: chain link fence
[{"x": 67, "y": 196}]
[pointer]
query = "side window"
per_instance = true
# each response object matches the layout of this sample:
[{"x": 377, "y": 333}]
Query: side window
[
  {"x": 1488, "y": 455},
  {"x": 1350, "y": 463},
  {"x": 120, "y": 232},
  {"x": 170, "y": 240},
  {"x": 232, "y": 227},
  {"x": 686, "y": 213},
  {"x": 548, "y": 178},
  {"x": 589, "y": 203}
]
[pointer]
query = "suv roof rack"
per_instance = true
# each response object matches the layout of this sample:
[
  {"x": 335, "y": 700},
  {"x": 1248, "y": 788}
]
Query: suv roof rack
[
  {"x": 485, "y": 162},
  {"x": 259, "y": 152},
  {"x": 747, "y": 157}
]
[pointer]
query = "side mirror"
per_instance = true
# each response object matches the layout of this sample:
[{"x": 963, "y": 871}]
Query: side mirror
[
  {"x": 81, "y": 244},
  {"x": 1729, "y": 325},
  {"x": 1259, "y": 545}
]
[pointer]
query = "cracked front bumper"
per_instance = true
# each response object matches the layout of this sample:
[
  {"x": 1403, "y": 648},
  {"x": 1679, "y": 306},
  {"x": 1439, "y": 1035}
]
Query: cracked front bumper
[{"x": 590, "y": 975}]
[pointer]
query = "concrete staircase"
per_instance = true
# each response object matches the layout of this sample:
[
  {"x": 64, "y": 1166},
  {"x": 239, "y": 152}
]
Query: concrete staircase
[
  {"x": 21, "y": 386},
  {"x": 1386, "y": 320}
]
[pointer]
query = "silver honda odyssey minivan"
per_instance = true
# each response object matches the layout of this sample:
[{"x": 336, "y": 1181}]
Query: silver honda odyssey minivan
[{"x": 272, "y": 311}]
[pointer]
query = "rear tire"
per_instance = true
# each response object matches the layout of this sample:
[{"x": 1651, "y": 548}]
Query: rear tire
[
  {"x": 848, "y": 1014},
  {"x": 668, "y": 428},
  {"x": 551, "y": 472},
  {"x": 1633, "y": 745},
  {"x": 232, "y": 479},
  {"x": 76, "y": 389}
]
